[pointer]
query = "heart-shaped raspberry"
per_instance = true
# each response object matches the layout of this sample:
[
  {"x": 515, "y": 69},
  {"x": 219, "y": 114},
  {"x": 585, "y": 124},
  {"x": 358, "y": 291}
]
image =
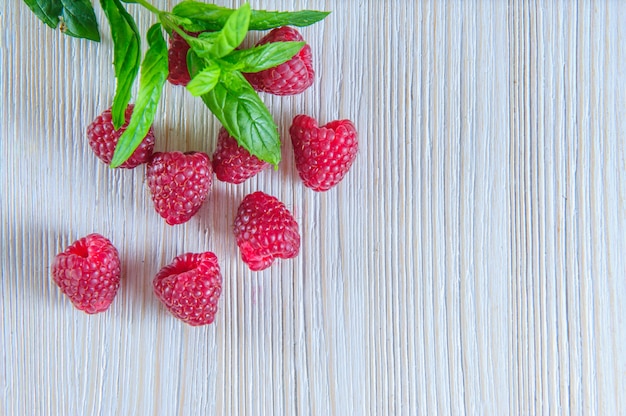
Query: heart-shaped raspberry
[{"x": 323, "y": 154}]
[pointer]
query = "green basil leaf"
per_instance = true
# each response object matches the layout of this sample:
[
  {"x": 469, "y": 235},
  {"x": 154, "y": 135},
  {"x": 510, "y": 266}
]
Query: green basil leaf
[
  {"x": 126, "y": 56},
  {"x": 77, "y": 17},
  {"x": 209, "y": 36},
  {"x": 214, "y": 45},
  {"x": 46, "y": 10},
  {"x": 265, "y": 20},
  {"x": 205, "y": 80},
  {"x": 154, "y": 70},
  {"x": 233, "y": 32},
  {"x": 242, "y": 113},
  {"x": 202, "y": 44},
  {"x": 205, "y": 16},
  {"x": 80, "y": 19},
  {"x": 264, "y": 56}
]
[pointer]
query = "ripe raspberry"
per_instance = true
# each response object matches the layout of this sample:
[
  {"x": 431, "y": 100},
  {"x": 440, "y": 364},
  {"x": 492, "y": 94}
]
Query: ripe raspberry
[
  {"x": 88, "y": 272},
  {"x": 103, "y": 138},
  {"x": 323, "y": 154},
  {"x": 291, "y": 77},
  {"x": 177, "y": 59},
  {"x": 265, "y": 230},
  {"x": 232, "y": 163},
  {"x": 179, "y": 184},
  {"x": 190, "y": 287}
]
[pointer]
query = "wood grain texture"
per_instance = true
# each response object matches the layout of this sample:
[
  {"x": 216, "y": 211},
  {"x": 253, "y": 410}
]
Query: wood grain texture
[{"x": 472, "y": 261}]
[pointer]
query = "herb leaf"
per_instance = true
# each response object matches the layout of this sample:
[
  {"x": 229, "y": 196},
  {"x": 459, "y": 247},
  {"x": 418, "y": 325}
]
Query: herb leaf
[
  {"x": 242, "y": 113},
  {"x": 211, "y": 17},
  {"x": 46, "y": 10},
  {"x": 80, "y": 19},
  {"x": 233, "y": 32},
  {"x": 127, "y": 55},
  {"x": 265, "y": 20},
  {"x": 77, "y": 16},
  {"x": 154, "y": 70},
  {"x": 205, "y": 80},
  {"x": 264, "y": 56},
  {"x": 202, "y": 44},
  {"x": 204, "y": 16}
]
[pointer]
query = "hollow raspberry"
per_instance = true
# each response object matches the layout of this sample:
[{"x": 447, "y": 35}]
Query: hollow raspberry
[
  {"x": 232, "y": 163},
  {"x": 291, "y": 77},
  {"x": 265, "y": 230},
  {"x": 190, "y": 287},
  {"x": 88, "y": 272},
  {"x": 179, "y": 183},
  {"x": 323, "y": 154},
  {"x": 103, "y": 138}
]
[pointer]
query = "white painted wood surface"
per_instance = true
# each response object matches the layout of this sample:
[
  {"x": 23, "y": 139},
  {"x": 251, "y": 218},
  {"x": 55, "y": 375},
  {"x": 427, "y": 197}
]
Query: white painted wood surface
[{"x": 472, "y": 261}]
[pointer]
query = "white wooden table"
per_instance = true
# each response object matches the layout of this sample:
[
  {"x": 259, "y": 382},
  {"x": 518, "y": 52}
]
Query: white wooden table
[{"x": 473, "y": 261}]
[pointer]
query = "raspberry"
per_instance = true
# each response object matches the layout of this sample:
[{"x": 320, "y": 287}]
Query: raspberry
[
  {"x": 232, "y": 163},
  {"x": 190, "y": 287},
  {"x": 291, "y": 77},
  {"x": 323, "y": 154},
  {"x": 265, "y": 230},
  {"x": 103, "y": 138},
  {"x": 88, "y": 272},
  {"x": 179, "y": 184},
  {"x": 177, "y": 59}
]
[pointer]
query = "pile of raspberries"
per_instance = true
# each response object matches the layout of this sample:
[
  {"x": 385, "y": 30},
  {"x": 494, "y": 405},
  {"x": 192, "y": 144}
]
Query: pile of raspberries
[{"x": 88, "y": 271}]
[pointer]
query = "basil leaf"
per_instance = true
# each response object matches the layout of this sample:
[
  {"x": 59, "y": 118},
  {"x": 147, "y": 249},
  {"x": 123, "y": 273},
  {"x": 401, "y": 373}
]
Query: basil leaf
[
  {"x": 80, "y": 19},
  {"x": 202, "y": 44},
  {"x": 264, "y": 20},
  {"x": 210, "y": 37},
  {"x": 240, "y": 110},
  {"x": 217, "y": 44},
  {"x": 233, "y": 32},
  {"x": 154, "y": 70},
  {"x": 242, "y": 113},
  {"x": 263, "y": 57},
  {"x": 126, "y": 56},
  {"x": 211, "y": 17},
  {"x": 46, "y": 10},
  {"x": 204, "y": 81},
  {"x": 77, "y": 17}
]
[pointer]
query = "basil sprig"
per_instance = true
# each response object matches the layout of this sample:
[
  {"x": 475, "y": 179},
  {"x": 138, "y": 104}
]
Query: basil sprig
[
  {"x": 216, "y": 63},
  {"x": 215, "y": 66}
]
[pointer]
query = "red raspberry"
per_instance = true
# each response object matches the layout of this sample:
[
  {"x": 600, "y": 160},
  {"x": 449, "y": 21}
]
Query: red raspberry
[
  {"x": 88, "y": 272},
  {"x": 179, "y": 184},
  {"x": 232, "y": 163},
  {"x": 103, "y": 138},
  {"x": 190, "y": 287},
  {"x": 265, "y": 230},
  {"x": 177, "y": 59},
  {"x": 323, "y": 154},
  {"x": 291, "y": 77}
]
